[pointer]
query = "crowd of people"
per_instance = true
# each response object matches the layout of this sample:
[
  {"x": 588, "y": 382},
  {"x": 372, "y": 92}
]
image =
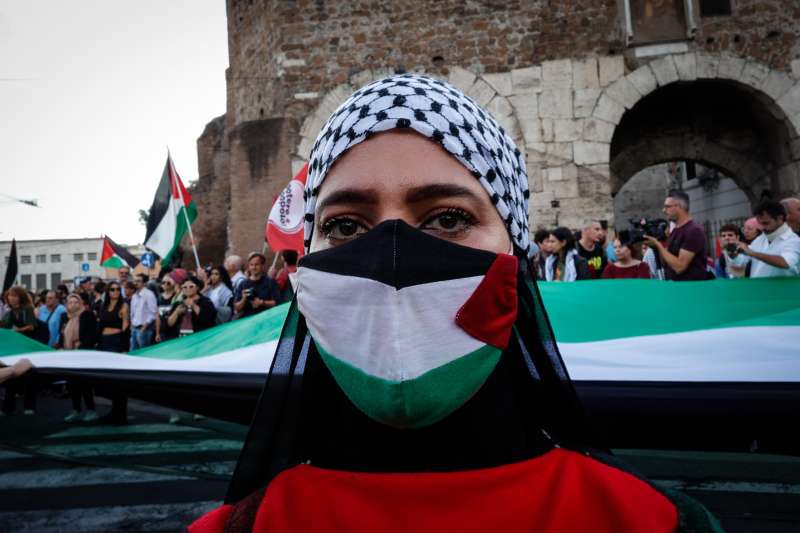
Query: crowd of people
[
  {"x": 133, "y": 312},
  {"x": 766, "y": 245}
]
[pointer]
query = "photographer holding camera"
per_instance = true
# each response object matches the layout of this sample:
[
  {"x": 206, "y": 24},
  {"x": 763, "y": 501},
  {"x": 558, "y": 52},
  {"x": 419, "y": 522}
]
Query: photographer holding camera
[
  {"x": 776, "y": 252},
  {"x": 684, "y": 256},
  {"x": 731, "y": 264},
  {"x": 258, "y": 292}
]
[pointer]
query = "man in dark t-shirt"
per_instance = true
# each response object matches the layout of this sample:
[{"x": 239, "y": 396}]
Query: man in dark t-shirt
[
  {"x": 258, "y": 292},
  {"x": 590, "y": 248},
  {"x": 684, "y": 256}
]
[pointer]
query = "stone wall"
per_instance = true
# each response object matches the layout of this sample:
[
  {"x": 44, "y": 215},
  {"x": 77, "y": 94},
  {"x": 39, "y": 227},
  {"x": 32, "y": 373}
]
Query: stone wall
[{"x": 557, "y": 75}]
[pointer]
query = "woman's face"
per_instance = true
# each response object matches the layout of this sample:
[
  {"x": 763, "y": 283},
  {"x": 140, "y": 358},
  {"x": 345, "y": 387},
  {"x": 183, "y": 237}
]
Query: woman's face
[
  {"x": 402, "y": 175},
  {"x": 215, "y": 277},
  {"x": 554, "y": 244},
  {"x": 189, "y": 289},
  {"x": 114, "y": 291},
  {"x": 167, "y": 285},
  {"x": 74, "y": 305},
  {"x": 13, "y": 299},
  {"x": 623, "y": 253}
]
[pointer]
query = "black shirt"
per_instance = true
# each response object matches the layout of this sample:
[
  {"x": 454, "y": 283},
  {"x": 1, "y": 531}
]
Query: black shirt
[
  {"x": 595, "y": 259},
  {"x": 264, "y": 288}
]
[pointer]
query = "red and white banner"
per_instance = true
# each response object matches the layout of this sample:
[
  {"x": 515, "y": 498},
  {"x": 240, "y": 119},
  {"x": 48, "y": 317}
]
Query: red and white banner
[{"x": 284, "y": 229}]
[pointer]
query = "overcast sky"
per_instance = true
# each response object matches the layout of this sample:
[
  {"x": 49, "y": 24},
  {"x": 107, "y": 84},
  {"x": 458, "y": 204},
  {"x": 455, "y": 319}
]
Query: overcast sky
[{"x": 91, "y": 95}]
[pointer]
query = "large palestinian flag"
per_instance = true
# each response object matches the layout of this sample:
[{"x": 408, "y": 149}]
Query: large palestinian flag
[
  {"x": 171, "y": 214},
  {"x": 662, "y": 350},
  {"x": 116, "y": 256}
]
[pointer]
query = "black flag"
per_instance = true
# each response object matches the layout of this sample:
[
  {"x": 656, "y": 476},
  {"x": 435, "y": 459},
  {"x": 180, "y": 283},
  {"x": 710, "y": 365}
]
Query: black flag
[{"x": 11, "y": 270}]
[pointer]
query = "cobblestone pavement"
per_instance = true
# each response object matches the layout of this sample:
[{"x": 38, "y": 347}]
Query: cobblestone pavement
[{"x": 154, "y": 476}]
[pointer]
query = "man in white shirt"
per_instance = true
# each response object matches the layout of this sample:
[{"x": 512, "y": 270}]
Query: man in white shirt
[
  {"x": 233, "y": 264},
  {"x": 776, "y": 252},
  {"x": 144, "y": 311}
]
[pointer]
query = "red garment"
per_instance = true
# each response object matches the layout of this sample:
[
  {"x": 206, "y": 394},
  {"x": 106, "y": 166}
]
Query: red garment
[
  {"x": 641, "y": 270},
  {"x": 560, "y": 491},
  {"x": 282, "y": 277}
]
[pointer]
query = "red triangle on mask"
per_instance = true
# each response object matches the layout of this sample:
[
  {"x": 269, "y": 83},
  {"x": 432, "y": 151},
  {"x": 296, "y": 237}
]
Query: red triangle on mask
[{"x": 489, "y": 313}]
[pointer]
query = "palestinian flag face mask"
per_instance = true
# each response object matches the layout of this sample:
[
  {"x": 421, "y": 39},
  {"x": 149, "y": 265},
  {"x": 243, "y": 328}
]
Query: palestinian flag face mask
[{"x": 409, "y": 325}]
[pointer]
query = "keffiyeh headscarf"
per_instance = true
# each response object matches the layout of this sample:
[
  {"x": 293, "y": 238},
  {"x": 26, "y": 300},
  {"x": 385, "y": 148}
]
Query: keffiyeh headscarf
[{"x": 440, "y": 112}]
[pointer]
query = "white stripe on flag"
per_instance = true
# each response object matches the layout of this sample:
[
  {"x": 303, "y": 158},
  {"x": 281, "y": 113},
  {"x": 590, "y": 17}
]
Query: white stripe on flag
[
  {"x": 418, "y": 320},
  {"x": 163, "y": 238},
  {"x": 746, "y": 354}
]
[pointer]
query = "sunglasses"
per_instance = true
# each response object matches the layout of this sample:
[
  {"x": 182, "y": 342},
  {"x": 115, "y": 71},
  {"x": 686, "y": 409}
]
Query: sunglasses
[{"x": 114, "y": 289}]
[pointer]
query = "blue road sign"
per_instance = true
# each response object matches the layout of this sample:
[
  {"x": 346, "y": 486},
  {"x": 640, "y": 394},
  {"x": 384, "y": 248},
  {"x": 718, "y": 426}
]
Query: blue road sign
[
  {"x": 84, "y": 267},
  {"x": 148, "y": 259}
]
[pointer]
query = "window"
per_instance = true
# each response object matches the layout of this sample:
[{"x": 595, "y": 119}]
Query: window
[
  {"x": 55, "y": 279},
  {"x": 41, "y": 281},
  {"x": 41, "y": 258},
  {"x": 92, "y": 256},
  {"x": 25, "y": 259},
  {"x": 77, "y": 257},
  {"x": 25, "y": 280},
  {"x": 55, "y": 258},
  {"x": 716, "y": 8}
]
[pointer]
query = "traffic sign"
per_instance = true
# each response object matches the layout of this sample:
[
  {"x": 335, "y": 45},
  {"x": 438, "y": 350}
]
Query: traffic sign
[
  {"x": 84, "y": 267},
  {"x": 148, "y": 259}
]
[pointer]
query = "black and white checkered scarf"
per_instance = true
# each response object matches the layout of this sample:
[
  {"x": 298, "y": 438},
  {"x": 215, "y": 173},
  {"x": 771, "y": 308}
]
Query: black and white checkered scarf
[{"x": 440, "y": 112}]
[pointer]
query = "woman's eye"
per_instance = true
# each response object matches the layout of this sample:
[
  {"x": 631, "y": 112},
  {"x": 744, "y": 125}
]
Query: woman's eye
[
  {"x": 450, "y": 221},
  {"x": 341, "y": 229}
]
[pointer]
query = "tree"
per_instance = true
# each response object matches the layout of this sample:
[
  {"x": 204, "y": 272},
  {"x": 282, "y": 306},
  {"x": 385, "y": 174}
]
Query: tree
[{"x": 144, "y": 216}]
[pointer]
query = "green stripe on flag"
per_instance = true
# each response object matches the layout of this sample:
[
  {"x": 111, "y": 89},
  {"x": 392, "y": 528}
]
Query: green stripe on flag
[
  {"x": 587, "y": 311},
  {"x": 181, "y": 229},
  {"x": 113, "y": 262},
  {"x": 257, "y": 329}
]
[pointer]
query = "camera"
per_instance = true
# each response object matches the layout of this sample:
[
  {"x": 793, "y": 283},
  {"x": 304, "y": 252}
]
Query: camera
[
  {"x": 656, "y": 227},
  {"x": 732, "y": 249}
]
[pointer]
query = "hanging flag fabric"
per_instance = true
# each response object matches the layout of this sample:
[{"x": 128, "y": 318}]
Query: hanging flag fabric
[
  {"x": 733, "y": 341},
  {"x": 284, "y": 229},
  {"x": 167, "y": 221},
  {"x": 116, "y": 256},
  {"x": 12, "y": 269}
]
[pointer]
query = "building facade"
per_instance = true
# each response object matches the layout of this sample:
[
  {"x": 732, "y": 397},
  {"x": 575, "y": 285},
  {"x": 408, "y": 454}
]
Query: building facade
[
  {"x": 592, "y": 91},
  {"x": 44, "y": 264}
]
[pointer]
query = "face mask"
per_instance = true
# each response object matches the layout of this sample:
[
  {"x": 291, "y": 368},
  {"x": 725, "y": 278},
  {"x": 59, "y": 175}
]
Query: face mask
[{"x": 409, "y": 325}]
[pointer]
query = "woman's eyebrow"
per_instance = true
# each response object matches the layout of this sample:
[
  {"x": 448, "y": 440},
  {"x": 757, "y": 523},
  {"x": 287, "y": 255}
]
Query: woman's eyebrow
[
  {"x": 349, "y": 197},
  {"x": 438, "y": 191}
]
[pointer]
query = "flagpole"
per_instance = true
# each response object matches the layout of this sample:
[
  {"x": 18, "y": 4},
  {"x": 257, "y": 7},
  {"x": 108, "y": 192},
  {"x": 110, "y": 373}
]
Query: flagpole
[{"x": 185, "y": 214}]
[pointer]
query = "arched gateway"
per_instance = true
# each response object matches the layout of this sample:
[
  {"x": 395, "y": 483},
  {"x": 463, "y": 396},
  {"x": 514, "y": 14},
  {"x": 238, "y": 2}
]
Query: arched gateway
[{"x": 587, "y": 126}]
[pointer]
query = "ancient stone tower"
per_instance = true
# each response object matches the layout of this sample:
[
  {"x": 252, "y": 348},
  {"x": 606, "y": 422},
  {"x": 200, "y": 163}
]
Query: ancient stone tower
[{"x": 592, "y": 90}]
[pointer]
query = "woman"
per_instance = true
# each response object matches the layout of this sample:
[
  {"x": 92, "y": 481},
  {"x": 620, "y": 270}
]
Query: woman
[
  {"x": 629, "y": 262},
  {"x": 194, "y": 312},
  {"x": 416, "y": 385},
  {"x": 220, "y": 292},
  {"x": 79, "y": 333},
  {"x": 170, "y": 295},
  {"x": 564, "y": 263},
  {"x": 113, "y": 320},
  {"x": 21, "y": 318}
]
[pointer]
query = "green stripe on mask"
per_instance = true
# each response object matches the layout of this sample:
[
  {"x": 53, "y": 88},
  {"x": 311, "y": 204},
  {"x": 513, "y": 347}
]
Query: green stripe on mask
[{"x": 419, "y": 402}]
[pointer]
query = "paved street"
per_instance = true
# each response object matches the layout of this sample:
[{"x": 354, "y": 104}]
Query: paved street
[
  {"x": 154, "y": 476},
  {"x": 147, "y": 476}
]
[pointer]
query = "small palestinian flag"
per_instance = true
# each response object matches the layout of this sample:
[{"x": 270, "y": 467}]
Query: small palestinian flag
[
  {"x": 116, "y": 256},
  {"x": 171, "y": 214}
]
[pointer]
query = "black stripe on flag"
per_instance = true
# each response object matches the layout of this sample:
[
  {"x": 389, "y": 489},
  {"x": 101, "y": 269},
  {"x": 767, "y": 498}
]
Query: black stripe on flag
[{"x": 160, "y": 203}]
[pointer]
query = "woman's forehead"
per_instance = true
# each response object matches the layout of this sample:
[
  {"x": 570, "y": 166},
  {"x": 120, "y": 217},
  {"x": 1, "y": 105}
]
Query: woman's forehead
[{"x": 401, "y": 165}]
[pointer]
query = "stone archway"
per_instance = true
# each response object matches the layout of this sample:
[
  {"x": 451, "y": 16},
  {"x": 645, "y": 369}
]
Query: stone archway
[{"x": 492, "y": 91}]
